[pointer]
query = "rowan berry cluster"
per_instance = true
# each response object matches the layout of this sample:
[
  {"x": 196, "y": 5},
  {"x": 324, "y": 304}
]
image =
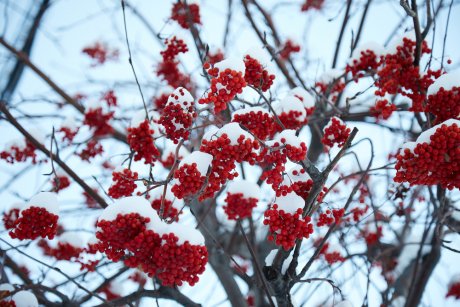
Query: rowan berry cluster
[
  {"x": 184, "y": 14},
  {"x": 34, "y": 222},
  {"x": 433, "y": 159},
  {"x": 98, "y": 120},
  {"x": 312, "y": 5},
  {"x": 285, "y": 228},
  {"x": 178, "y": 114},
  {"x": 330, "y": 216},
  {"x": 93, "y": 149},
  {"x": 335, "y": 132},
  {"x": 124, "y": 183},
  {"x": 237, "y": 206},
  {"x": 9, "y": 217},
  {"x": 141, "y": 141},
  {"x": 100, "y": 53},
  {"x": 168, "y": 69},
  {"x": 110, "y": 98},
  {"x": 454, "y": 290},
  {"x": 444, "y": 100},
  {"x": 60, "y": 182},
  {"x": 63, "y": 250},
  {"x": 226, "y": 83},
  {"x": 382, "y": 109},
  {"x": 288, "y": 48},
  {"x": 257, "y": 120},
  {"x": 368, "y": 62},
  {"x": 19, "y": 152},
  {"x": 256, "y": 75}
]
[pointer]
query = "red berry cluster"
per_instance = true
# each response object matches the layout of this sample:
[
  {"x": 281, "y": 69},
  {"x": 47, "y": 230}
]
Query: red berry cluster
[
  {"x": 190, "y": 181},
  {"x": 93, "y": 149},
  {"x": 124, "y": 183},
  {"x": 10, "y": 217},
  {"x": 367, "y": 62},
  {"x": 160, "y": 101},
  {"x": 330, "y": 216},
  {"x": 257, "y": 120},
  {"x": 336, "y": 132},
  {"x": 288, "y": 48},
  {"x": 141, "y": 142},
  {"x": 69, "y": 133},
  {"x": 434, "y": 161},
  {"x": 185, "y": 14},
  {"x": 60, "y": 182},
  {"x": 127, "y": 237},
  {"x": 444, "y": 104},
  {"x": 332, "y": 89},
  {"x": 169, "y": 211},
  {"x": 399, "y": 75},
  {"x": 225, "y": 85},
  {"x": 34, "y": 222},
  {"x": 168, "y": 69},
  {"x": 372, "y": 237},
  {"x": 63, "y": 250},
  {"x": 300, "y": 185},
  {"x": 215, "y": 57},
  {"x": 330, "y": 256},
  {"x": 177, "y": 116},
  {"x": 276, "y": 157},
  {"x": 239, "y": 207},
  {"x": 100, "y": 53},
  {"x": 138, "y": 278},
  {"x": 357, "y": 213},
  {"x": 98, "y": 120},
  {"x": 225, "y": 155},
  {"x": 256, "y": 75},
  {"x": 19, "y": 153},
  {"x": 286, "y": 228},
  {"x": 382, "y": 109},
  {"x": 454, "y": 290},
  {"x": 291, "y": 120},
  {"x": 110, "y": 293},
  {"x": 312, "y": 4},
  {"x": 110, "y": 98}
]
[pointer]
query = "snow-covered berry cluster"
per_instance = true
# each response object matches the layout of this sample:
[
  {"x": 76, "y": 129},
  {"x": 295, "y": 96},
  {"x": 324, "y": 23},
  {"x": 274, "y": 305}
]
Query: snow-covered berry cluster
[
  {"x": 331, "y": 83},
  {"x": 190, "y": 176},
  {"x": 171, "y": 205},
  {"x": 296, "y": 180},
  {"x": 330, "y": 255},
  {"x": 130, "y": 230},
  {"x": 227, "y": 145},
  {"x": 98, "y": 120},
  {"x": 285, "y": 221},
  {"x": 365, "y": 59},
  {"x": 93, "y": 149},
  {"x": 19, "y": 151},
  {"x": 10, "y": 216},
  {"x": 257, "y": 120},
  {"x": 335, "y": 132},
  {"x": 168, "y": 69},
  {"x": 178, "y": 114},
  {"x": 444, "y": 97},
  {"x": 110, "y": 98},
  {"x": 69, "y": 247},
  {"x": 227, "y": 81},
  {"x": 38, "y": 218},
  {"x": 454, "y": 288},
  {"x": 312, "y": 5},
  {"x": 186, "y": 13},
  {"x": 291, "y": 112},
  {"x": 256, "y": 73},
  {"x": 242, "y": 197},
  {"x": 60, "y": 182},
  {"x": 69, "y": 128},
  {"x": 433, "y": 159},
  {"x": 124, "y": 183}
]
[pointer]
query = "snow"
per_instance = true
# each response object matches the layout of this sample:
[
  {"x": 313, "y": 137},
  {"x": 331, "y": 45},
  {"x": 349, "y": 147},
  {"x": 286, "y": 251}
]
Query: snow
[
  {"x": 203, "y": 161},
  {"x": 25, "y": 299},
  {"x": 290, "y": 203},
  {"x": 38, "y": 135},
  {"x": 45, "y": 200},
  {"x": 249, "y": 110},
  {"x": 71, "y": 238},
  {"x": 411, "y": 249},
  {"x": 259, "y": 54},
  {"x": 186, "y": 98},
  {"x": 17, "y": 206},
  {"x": 454, "y": 279},
  {"x": 234, "y": 132},
  {"x": 231, "y": 63},
  {"x": 329, "y": 124},
  {"x": 330, "y": 76},
  {"x": 70, "y": 123},
  {"x": 183, "y": 232},
  {"x": 446, "y": 81},
  {"x": 94, "y": 105},
  {"x": 270, "y": 257},
  {"x": 158, "y": 194},
  {"x": 6, "y": 287},
  {"x": 409, "y": 145},
  {"x": 127, "y": 205},
  {"x": 307, "y": 99},
  {"x": 373, "y": 46},
  {"x": 247, "y": 188},
  {"x": 400, "y": 301},
  {"x": 290, "y": 103},
  {"x": 344, "y": 303},
  {"x": 289, "y": 136},
  {"x": 138, "y": 118}
]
